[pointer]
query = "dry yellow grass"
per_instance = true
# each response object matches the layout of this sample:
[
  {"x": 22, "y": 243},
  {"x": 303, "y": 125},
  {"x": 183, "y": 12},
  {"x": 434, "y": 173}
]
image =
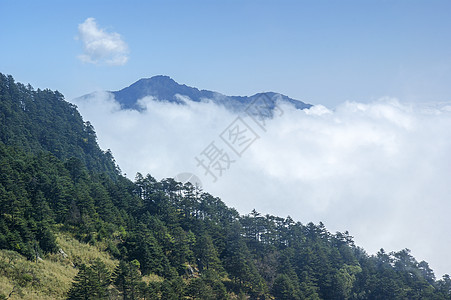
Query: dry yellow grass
[{"x": 50, "y": 278}]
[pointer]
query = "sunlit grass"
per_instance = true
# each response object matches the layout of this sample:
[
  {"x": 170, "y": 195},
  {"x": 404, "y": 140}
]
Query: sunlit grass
[{"x": 51, "y": 277}]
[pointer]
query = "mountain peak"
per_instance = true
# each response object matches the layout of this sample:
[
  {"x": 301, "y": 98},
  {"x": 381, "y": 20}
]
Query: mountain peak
[
  {"x": 164, "y": 88},
  {"x": 161, "y": 87},
  {"x": 157, "y": 79}
]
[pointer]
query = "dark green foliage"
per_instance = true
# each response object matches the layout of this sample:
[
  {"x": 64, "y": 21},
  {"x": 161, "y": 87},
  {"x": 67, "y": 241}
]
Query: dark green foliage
[
  {"x": 142, "y": 246},
  {"x": 83, "y": 286},
  {"x": 208, "y": 286},
  {"x": 173, "y": 289},
  {"x": 284, "y": 289},
  {"x": 53, "y": 176},
  {"x": 207, "y": 255},
  {"x": 91, "y": 282},
  {"x": 47, "y": 241},
  {"x": 42, "y": 120},
  {"x": 127, "y": 279}
]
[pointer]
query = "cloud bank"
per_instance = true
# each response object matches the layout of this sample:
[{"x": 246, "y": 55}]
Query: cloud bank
[
  {"x": 101, "y": 47},
  {"x": 380, "y": 170}
]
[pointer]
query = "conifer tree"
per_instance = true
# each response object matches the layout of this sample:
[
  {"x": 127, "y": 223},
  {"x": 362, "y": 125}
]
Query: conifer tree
[{"x": 127, "y": 279}]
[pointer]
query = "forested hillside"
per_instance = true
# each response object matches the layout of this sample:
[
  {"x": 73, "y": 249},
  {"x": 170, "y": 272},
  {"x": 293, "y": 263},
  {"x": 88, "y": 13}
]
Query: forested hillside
[
  {"x": 42, "y": 121},
  {"x": 159, "y": 239}
]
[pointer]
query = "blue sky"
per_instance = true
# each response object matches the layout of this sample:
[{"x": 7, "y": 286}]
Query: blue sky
[{"x": 321, "y": 52}]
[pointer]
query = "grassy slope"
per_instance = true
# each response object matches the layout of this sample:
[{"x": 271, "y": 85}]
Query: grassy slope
[{"x": 51, "y": 277}]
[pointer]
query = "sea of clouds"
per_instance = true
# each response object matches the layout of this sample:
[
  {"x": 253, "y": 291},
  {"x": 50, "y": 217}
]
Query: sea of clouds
[{"x": 380, "y": 170}]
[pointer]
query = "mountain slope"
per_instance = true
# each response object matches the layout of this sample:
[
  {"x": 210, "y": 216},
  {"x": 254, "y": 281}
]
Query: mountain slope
[
  {"x": 168, "y": 240},
  {"x": 42, "y": 120}
]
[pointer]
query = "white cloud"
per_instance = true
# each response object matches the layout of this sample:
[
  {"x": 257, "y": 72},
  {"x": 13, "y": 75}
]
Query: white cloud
[
  {"x": 101, "y": 47},
  {"x": 380, "y": 170}
]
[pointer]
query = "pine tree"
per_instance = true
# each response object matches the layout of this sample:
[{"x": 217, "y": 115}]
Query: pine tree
[
  {"x": 284, "y": 289},
  {"x": 91, "y": 282},
  {"x": 83, "y": 286},
  {"x": 102, "y": 279},
  {"x": 127, "y": 279},
  {"x": 206, "y": 253}
]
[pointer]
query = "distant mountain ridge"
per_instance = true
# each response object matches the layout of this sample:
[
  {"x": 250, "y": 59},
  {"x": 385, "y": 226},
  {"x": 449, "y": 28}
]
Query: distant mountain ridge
[{"x": 164, "y": 88}]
